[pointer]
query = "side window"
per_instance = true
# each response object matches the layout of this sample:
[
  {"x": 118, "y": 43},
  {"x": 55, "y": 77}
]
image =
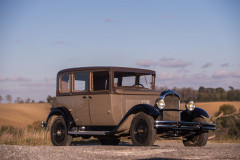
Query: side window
[
  {"x": 100, "y": 81},
  {"x": 81, "y": 82},
  {"x": 65, "y": 83}
]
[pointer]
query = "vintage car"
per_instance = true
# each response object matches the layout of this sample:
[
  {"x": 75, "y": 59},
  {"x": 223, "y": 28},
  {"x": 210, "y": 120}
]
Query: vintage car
[{"x": 109, "y": 103}]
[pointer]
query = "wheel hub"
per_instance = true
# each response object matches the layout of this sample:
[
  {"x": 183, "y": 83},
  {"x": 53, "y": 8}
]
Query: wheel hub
[{"x": 59, "y": 132}]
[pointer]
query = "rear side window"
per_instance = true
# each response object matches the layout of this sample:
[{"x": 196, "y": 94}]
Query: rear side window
[
  {"x": 65, "y": 83},
  {"x": 81, "y": 82}
]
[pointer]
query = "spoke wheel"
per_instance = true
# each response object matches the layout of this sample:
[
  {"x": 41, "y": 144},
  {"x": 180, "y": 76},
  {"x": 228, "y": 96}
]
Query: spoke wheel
[
  {"x": 59, "y": 135},
  {"x": 142, "y": 131}
]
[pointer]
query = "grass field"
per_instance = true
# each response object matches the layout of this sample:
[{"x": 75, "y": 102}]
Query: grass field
[
  {"x": 21, "y": 115},
  {"x": 20, "y": 123}
]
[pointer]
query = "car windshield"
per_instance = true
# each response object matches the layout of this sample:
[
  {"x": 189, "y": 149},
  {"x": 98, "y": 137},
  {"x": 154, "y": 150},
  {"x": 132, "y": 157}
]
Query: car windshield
[{"x": 132, "y": 79}]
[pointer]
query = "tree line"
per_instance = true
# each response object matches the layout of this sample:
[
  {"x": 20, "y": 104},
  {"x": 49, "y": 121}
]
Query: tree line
[
  {"x": 201, "y": 95},
  {"x": 207, "y": 94}
]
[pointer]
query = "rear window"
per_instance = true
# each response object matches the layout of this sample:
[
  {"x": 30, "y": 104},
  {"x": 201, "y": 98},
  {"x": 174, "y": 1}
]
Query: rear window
[{"x": 65, "y": 83}]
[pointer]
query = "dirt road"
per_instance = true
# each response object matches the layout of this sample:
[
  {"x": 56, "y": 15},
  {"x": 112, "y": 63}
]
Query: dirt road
[{"x": 166, "y": 150}]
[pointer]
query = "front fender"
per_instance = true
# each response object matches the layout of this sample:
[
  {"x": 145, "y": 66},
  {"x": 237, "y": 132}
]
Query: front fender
[
  {"x": 190, "y": 115},
  {"x": 146, "y": 108}
]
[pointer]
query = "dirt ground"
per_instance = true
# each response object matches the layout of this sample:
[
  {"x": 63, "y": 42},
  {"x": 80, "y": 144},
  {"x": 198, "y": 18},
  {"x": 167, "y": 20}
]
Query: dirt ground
[
  {"x": 21, "y": 115},
  {"x": 161, "y": 150}
]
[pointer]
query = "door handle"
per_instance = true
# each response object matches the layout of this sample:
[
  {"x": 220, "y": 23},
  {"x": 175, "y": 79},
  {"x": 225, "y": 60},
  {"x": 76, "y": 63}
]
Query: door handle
[{"x": 90, "y": 97}]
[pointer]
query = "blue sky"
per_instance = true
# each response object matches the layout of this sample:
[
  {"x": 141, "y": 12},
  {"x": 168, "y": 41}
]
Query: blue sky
[{"x": 188, "y": 43}]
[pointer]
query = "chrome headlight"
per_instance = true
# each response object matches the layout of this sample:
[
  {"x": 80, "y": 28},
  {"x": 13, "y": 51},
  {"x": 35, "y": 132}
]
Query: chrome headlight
[
  {"x": 160, "y": 103},
  {"x": 190, "y": 105}
]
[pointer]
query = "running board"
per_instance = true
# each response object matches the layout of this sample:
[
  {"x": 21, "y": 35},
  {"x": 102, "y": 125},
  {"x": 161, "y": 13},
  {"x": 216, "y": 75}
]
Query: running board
[{"x": 90, "y": 133}]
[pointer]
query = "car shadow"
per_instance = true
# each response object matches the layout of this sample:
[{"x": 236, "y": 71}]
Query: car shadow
[{"x": 95, "y": 142}]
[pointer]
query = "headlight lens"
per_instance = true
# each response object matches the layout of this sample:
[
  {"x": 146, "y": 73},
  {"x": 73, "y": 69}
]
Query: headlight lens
[
  {"x": 160, "y": 103},
  {"x": 190, "y": 105}
]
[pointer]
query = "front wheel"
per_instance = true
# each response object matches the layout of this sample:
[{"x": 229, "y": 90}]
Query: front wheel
[
  {"x": 59, "y": 135},
  {"x": 199, "y": 139},
  {"x": 142, "y": 130}
]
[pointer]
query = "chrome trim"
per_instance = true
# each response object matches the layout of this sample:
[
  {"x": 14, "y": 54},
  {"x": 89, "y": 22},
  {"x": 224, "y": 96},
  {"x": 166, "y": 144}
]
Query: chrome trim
[
  {"x": 180, "y": 125},
  {"x": 93, "y": 133},
  {"x": 168, "y": 92},
  {"x": 43, "y": 124}
]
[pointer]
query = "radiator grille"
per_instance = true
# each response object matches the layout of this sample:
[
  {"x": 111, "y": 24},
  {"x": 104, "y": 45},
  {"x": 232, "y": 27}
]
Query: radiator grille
[{"x": 171, "y": 102}]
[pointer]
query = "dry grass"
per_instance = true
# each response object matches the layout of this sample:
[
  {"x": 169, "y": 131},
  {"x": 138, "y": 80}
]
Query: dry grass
[
  {"x": 213, "y": 107},
  {"x": 30, "y": 135}
]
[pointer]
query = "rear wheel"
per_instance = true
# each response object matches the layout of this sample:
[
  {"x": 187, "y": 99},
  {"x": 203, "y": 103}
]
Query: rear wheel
[
  {"x": 109, "y": 140},
  {"x": 199, "y": 139},
  {"x": 59, "y": 135},
  {"x": 142, "y": 130}
]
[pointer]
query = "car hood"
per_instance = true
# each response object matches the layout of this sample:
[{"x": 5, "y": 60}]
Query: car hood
[{"x": 137, "y": 91}]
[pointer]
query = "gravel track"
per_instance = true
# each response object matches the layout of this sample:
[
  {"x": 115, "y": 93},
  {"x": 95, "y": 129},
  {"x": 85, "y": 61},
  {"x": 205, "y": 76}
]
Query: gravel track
[{"x": 161, "y": 150}]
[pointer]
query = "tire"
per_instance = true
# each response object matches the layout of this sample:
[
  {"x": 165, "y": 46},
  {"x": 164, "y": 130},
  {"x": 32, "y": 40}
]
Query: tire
[
  {"x": 109, "y": 140},
  {"x": 142, "y": 130},
  {"x": 59, "y": 132},
  {"x": 198, "y": 140}
]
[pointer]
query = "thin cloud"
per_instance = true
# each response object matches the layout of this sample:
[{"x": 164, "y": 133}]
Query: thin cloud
[
  {"x": 164, "y": 62},
  {"x": 225, "y": 65},
  {"x": 166, "y": 59},
  {"x": 58, "y": 42},
  {"x": 175, "y": 64},
  {"x": 3, "y": 78},
  {"x": 207, "y": 65},
  {"x": 222, "y": 74},
  {"x": 166, "y": 16},
  {"x": 236, "y": 74},
  {"x": 20, "y": 79},
  {"x": 15, "y": 79},
  {"x": 145, "y": 63},
  {"x": 19, "y": 41},
  {"x": 107, "y": 20}
]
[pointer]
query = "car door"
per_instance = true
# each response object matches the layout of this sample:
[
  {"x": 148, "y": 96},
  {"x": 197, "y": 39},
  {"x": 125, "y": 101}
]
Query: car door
[
  {"x": 80, "y": 98},
  {"x": 100, "y": 99}
]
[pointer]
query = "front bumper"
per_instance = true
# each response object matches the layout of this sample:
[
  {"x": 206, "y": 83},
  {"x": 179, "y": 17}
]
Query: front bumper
[{"x": 185, "y": 126}]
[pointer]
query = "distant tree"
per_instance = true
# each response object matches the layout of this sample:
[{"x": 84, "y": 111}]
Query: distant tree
[
  {"x": 1, "y": 99},
  {"x": 33, "y": 101},
  {"x": 21, "y": 101},
  {"x": 9, "y": 98},
  {"x": 51, "y": 99},
  {"x": 40, "y": 101},
  {"x": 28, "y": 100},
  {"x": 17, "y": 100},
  {"x": 233, "y": 94}
]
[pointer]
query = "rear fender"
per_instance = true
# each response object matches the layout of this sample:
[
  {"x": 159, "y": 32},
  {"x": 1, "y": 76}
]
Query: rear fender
[{"x": 64, "y": 112}]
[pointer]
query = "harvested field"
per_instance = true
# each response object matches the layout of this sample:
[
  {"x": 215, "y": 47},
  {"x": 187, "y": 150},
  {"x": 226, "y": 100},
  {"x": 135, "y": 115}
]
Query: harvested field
[
  {"x": 21, "y": 115},
  {"x": 25, "y": 114}
]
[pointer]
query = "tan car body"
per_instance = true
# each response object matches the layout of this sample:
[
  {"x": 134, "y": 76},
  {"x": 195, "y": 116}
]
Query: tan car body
[{"x": 113, "y": 102}]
